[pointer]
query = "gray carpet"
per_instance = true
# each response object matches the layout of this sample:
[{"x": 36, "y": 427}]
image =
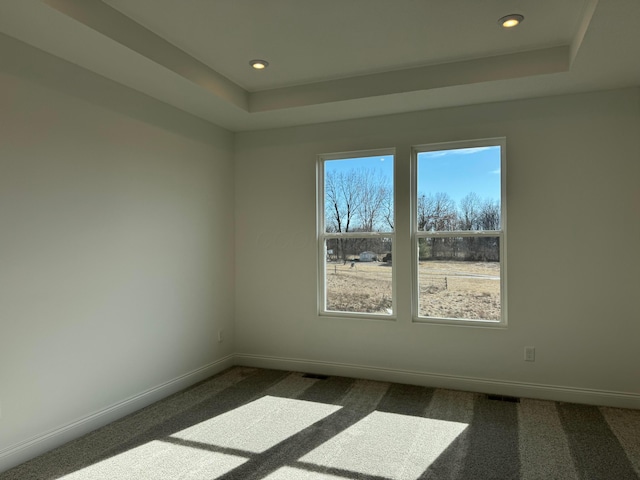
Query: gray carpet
[{"x": 248, "y": 423}]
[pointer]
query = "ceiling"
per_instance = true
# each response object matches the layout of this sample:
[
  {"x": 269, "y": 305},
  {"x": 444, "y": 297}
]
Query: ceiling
[{"x": 336, "y": 59}]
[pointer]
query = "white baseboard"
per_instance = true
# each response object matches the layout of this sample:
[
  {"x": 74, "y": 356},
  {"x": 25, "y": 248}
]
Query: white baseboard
[
  {"x": 21, "y": 452},
  {"x": 482, "y": 385}
]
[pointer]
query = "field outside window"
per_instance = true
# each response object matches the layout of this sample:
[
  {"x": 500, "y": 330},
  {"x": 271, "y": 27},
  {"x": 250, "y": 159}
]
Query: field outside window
[
  {"x": 356, "y": 233},
  {"x": 459, "y": 227}
]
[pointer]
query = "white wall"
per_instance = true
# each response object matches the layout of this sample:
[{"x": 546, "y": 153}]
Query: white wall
[
  {"x": 116, "y": 248},
  {"x": 573, "y": 176}
]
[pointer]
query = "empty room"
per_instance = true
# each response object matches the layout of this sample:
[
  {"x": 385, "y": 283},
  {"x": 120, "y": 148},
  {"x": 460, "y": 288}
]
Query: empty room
[{"x": 293, "y": 239}]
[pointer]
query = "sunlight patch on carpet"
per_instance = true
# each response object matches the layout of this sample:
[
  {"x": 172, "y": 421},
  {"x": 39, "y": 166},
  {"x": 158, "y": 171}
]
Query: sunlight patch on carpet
[
  {"x": 290, "y": 473},
  {"x": 158, "y": 460},
  {"x": 398, "y": 447},
  {"x": 259, "y": 425}
]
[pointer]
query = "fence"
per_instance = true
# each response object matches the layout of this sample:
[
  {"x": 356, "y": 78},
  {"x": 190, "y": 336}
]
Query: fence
[{"x": 433, "y": 283}]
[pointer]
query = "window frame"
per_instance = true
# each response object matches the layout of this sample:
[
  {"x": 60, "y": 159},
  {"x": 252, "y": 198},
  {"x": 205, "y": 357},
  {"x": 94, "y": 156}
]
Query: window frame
[
  {"x": 416, "y": 235},
  {"x": 322, "y": 235}
]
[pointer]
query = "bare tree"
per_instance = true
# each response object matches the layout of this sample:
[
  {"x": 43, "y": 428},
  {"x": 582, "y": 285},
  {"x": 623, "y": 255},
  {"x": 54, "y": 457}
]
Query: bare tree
[
  {"x": 342, "y": 201},
  {"x": 387, "y": 207},
  {"x": 343, "y": 197},
  {"x": 469, "y": 212},
  {"x": 358, "y": 200},
  {"x": 374, "y": 195},
  {"x": 436, "y": 212},
  {"x": 489, "y": 218}
]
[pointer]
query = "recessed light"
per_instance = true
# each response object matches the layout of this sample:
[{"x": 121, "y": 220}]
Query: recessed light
[
  {"x": 510, "y": 21},
  {"x": 259, "y": 64}
]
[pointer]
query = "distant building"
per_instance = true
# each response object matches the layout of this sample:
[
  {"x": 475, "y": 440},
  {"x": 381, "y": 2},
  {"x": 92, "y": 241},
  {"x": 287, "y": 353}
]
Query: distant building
[{"x": 368, "y": 257}]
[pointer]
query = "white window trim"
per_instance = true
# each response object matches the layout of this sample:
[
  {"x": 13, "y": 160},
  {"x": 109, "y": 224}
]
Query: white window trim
[
  {"x": 322, "y": 236},
  {"x": 416, "y": 235}
]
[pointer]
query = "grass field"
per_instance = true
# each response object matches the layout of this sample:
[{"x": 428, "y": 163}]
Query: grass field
[{"x": 447, "y": 289}]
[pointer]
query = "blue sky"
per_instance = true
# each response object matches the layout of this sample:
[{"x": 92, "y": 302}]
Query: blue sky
[
  {"x": 459, "y": 172},
  {"x": 455, "y": 172},
  {"x": 383, "y": 163}
]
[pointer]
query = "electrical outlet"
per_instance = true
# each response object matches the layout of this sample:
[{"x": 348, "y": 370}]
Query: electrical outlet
[
  {"x": 529, "y": 354},
  {"x": 220, "y": 337}
]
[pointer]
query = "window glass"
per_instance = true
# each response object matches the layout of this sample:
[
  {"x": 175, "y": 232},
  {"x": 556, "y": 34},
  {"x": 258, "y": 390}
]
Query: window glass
[
  {"x": 363, "y": 282},
  {"x": 459, "y": 232},
  {"x": 459, "y": 189},
  {"x": 356, "y": 234},
  {"x": 459, "y": 277},
  {"x": 358, "y": 194}
]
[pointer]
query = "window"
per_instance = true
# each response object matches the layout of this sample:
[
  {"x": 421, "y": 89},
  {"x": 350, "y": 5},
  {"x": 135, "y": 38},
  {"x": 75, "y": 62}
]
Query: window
[
  {"x": 356, "y": 233},
  {"x": 457, "y": 240},
  {"x": 459, "y": 232}
]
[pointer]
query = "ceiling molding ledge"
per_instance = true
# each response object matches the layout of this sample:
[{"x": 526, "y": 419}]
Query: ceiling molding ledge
[
  {"x": 589, "y": 10},
  {"x": 501, "y": 67},
  {"x": 108, "y": 21},
  {"x": 26, "y": 62}
]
